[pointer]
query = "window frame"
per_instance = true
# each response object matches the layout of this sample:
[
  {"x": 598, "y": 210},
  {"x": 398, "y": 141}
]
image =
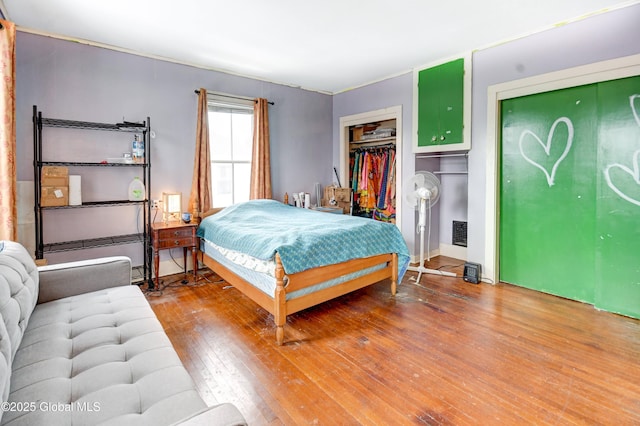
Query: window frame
[{"x": 231, "y": 103}]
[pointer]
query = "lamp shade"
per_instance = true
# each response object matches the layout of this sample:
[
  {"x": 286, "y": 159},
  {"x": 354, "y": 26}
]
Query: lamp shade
[{"x": 171, "y": 205}]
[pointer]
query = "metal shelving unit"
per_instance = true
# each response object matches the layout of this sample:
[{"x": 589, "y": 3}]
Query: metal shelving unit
[
  {"x": 95, "y": 204},
  {"x": 144, "y": 237}
]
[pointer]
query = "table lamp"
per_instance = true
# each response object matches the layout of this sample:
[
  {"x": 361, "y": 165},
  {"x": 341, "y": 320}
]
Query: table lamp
[{"x": 172, "y": 206}]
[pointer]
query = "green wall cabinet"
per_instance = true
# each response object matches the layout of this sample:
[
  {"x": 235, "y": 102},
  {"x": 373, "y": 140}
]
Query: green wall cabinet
[
  {"x": 441, "y": 113},
  {"x": 570, "y": 193}
]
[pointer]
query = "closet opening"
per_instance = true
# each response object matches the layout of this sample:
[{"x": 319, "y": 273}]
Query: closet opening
[{"x": 370, "y": 163}]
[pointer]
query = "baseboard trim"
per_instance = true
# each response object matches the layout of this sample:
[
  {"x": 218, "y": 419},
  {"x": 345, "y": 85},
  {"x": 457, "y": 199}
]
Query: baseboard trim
[
  {"x": 415, "y": 258},
  {"x": 450, "y": 250},
  {"x": 169, "y": 267}
]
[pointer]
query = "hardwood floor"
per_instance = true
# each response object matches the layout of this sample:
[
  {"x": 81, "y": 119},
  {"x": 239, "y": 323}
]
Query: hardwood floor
[{"x": 442, "y": 352}]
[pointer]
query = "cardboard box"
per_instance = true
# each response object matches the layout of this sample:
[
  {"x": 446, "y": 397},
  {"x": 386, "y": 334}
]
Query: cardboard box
[
  {"x": 357, "y": 133},
  {"x": 55, "y": 171},
  {"x": 55, "y": 176},
  {"x": 54, "y": 196},
  {"x": 342, "y": 196}
]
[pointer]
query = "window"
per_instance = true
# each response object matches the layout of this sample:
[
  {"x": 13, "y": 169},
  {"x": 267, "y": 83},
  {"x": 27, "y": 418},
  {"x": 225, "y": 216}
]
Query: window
[{"x": 231, "y": 140}]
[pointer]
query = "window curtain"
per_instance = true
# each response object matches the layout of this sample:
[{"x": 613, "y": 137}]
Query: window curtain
[
  {"x": 261, "y": 160},
  {"x": 200, "y": 198},
  {"x": 8, "y": 204}
]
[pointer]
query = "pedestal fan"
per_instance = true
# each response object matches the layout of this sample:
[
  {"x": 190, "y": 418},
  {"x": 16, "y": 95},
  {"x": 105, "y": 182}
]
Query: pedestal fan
[{"x": 422, "y": 192}]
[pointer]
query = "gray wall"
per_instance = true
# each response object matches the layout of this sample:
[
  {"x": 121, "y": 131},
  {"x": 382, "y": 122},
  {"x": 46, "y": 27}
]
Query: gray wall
[
  {"x": 601, "y": 37},
  {"x": 76, "y": 81},
  {"x": 453, "y": 201},
  {"x": 607, "y": 36},
  {"x": 387, "y": 93},
  {"x": 71, "y": 80}
]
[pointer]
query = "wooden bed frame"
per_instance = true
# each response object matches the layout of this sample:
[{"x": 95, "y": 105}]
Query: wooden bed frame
[{"x": 280, "y": 307}]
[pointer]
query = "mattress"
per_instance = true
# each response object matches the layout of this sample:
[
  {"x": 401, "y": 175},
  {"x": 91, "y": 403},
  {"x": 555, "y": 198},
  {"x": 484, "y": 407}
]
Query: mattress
[
  {"x": 303, "y": 238},
  {"x": 265, "y": 280}
]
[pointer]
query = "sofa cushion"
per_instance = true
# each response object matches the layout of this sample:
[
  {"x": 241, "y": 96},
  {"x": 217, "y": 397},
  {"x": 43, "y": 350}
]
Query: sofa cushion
[
  {"x": 18, "y": 297},
  {"x": 82, "y": 276},
  {"x": 100, "y": 357}
]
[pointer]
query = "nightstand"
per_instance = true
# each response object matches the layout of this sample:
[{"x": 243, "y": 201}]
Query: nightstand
[{"x": 174, "y": 235}]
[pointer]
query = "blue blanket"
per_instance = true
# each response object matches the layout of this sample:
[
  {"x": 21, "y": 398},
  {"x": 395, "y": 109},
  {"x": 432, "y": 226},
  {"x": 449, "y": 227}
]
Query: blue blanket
[{"x": 304, "y": 238}]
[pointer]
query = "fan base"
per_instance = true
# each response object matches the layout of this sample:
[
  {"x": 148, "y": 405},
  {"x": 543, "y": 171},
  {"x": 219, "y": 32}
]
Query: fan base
[{"x": 422, "y": 270}]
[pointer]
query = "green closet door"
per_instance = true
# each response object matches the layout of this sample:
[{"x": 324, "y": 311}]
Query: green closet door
[
  {"x": 618, "y": 207},
  {"x": 441, "y": 104},
  {"x": 429, "y": 107},
  {"x": 451, "y": 102},
  {"x": 548, "y": 190}
]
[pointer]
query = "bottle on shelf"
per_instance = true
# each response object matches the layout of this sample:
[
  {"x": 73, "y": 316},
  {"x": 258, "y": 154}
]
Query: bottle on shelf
[{"x": 137, "y": 149}]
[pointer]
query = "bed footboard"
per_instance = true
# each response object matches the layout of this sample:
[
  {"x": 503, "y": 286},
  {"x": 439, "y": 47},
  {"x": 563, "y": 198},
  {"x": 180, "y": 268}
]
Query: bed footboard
[
  {"x": 280, "y": 302},
  {"x": 280, "y": 307}
]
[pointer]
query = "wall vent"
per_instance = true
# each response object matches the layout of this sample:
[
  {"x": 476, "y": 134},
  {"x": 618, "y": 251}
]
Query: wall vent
[{"x": 459, "y": 235}]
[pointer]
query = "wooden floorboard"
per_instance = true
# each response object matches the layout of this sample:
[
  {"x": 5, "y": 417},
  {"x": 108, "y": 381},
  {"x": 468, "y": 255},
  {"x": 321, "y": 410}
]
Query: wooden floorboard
[{"x": 441, "y": 352}]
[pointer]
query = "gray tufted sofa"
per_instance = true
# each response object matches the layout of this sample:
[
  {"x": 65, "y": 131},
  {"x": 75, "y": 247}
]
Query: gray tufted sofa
[{"x": 79, "y": 345}]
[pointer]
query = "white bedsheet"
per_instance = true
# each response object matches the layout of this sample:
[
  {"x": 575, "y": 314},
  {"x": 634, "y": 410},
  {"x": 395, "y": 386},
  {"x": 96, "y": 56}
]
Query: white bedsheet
[{"x": 266, "y": 282}]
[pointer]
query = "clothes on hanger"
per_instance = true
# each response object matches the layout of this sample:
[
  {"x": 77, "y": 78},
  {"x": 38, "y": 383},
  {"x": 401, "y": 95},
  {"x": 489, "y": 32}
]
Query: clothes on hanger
[{"x": 372, "y": 178}]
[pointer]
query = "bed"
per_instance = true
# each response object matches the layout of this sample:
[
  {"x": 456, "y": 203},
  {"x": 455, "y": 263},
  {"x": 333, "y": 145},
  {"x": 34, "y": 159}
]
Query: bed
[{"x": 287, "y": 259}]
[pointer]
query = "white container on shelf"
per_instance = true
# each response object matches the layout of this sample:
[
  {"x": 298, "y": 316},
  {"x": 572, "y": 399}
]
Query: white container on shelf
[
  {"x": 75, "y": 190},
  {"x": 136, "y": 190}
]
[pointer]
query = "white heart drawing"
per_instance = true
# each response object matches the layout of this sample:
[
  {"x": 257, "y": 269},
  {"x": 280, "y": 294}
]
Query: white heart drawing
[
  {"x": 632, "y": 99},
  {"x": 635, "y": 173},
  {"x": 547, "y": 147}
]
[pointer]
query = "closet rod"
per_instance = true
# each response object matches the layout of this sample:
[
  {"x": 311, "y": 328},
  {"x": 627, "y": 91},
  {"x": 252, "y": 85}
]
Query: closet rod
[
  {"x": 373, "y": 147},
  {"x": 465, "y": 154},
  {"x": 197, "y": 91}
]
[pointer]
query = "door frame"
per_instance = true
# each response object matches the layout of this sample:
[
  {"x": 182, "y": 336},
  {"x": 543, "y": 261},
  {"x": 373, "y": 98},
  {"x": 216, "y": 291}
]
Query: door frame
[{"x": 597, "y": 72}]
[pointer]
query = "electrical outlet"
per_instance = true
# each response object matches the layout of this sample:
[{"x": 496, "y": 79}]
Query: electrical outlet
[{"x": 155, "y": 204}]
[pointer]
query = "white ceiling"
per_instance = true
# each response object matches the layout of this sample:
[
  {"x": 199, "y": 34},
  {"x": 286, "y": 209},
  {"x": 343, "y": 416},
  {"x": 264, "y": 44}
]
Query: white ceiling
[{"x": 328, "y": 45}]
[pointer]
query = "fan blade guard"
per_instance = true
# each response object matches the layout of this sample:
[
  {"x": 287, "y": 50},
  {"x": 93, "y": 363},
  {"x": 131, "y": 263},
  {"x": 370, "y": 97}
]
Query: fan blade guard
[{"x": 421, "y": 184}]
